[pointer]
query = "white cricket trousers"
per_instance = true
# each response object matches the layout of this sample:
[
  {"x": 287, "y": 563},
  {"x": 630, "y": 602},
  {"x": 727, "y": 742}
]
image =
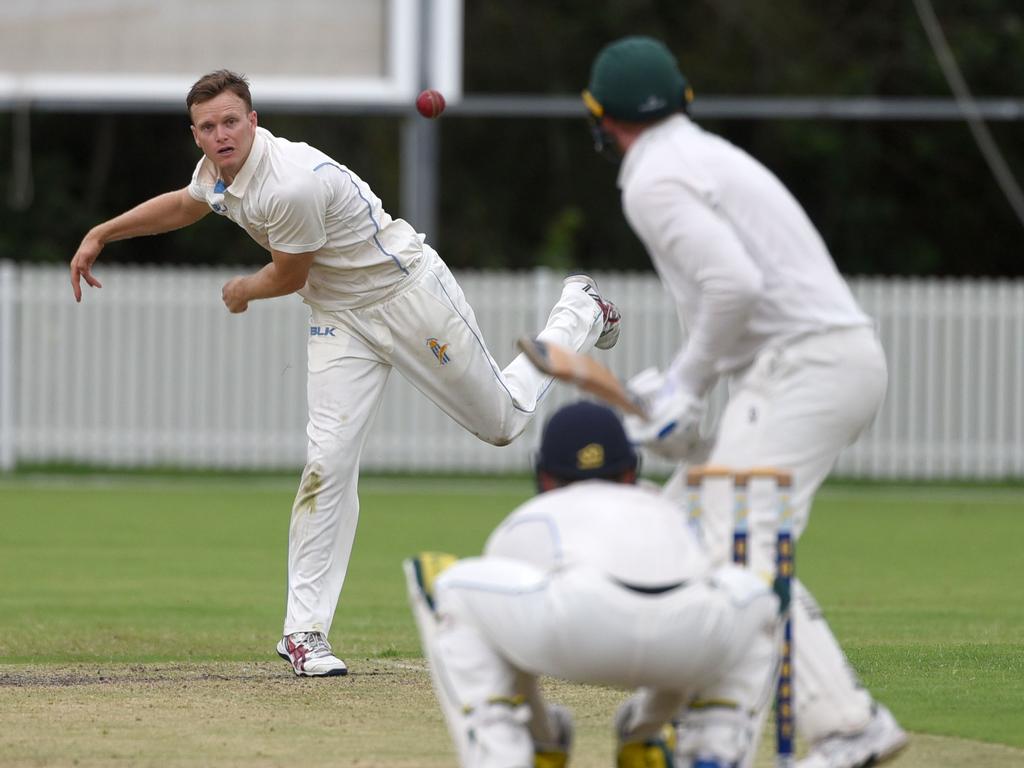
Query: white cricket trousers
[
  {"x": 797, "y": 407},
  {"x": 498, "y": 618},
  {"x": 428, "y": 331}
]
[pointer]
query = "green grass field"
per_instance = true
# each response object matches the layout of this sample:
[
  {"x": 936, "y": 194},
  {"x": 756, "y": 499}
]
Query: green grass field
[{"x": 922, "y": 585}]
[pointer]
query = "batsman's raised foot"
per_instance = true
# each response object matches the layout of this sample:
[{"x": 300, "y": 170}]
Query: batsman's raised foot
[
  {"x": 880, "y": 741},
  {"x": 310, "y": 655},
  {"x": 610, "y": 314}
]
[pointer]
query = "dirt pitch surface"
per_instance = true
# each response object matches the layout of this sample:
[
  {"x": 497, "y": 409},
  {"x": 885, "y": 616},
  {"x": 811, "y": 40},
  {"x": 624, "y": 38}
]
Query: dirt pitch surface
[{"x": 259, "y": 714}]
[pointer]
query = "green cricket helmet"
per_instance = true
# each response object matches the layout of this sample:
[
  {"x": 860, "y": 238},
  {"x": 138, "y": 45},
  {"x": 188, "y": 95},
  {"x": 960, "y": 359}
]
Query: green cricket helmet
[{"x": 636, "y": 79}]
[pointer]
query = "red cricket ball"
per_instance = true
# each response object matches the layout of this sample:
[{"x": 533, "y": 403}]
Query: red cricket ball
[{"x": 430, "y": 103}]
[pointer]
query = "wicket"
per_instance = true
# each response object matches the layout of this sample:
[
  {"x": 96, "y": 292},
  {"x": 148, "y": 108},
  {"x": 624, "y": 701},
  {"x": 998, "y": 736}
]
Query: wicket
[{"x": 785, "y": 730}]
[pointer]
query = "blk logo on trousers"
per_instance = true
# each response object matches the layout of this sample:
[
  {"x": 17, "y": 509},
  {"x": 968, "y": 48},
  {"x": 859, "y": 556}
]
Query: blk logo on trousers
[{"x": 322, "y": 330}]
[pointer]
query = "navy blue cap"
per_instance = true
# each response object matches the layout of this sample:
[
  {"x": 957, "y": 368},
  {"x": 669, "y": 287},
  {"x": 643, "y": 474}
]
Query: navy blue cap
[{"x": 585, "y": 440}]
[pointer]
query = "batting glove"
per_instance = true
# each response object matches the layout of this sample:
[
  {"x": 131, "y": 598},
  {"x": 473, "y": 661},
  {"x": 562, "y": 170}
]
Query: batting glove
[{"x": 671, "y": 427}]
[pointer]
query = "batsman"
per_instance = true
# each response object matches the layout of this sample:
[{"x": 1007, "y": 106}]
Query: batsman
[
  {"x": 596, "y": 580},
  {"x": 762, "y": 304}
]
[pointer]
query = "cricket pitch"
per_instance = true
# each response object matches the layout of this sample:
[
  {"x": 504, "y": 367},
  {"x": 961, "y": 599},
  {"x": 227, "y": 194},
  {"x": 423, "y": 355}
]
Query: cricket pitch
[{"x": 258, "y": 714}]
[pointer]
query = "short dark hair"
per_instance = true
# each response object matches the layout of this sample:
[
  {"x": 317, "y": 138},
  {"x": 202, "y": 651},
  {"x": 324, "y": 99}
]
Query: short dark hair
[{"x": 215, "y": 83}]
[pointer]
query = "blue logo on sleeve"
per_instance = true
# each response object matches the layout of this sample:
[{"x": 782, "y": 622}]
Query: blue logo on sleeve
[
  {"x": 322, "y": 330},
  {"x": 216, "y": 200}
]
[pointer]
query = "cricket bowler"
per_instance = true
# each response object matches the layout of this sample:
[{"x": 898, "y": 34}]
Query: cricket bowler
[{"x": 380, "y": 298}]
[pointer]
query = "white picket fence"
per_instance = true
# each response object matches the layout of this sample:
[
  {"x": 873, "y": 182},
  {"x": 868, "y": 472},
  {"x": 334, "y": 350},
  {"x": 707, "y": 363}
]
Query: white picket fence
[{"x": 152, "y": 371}]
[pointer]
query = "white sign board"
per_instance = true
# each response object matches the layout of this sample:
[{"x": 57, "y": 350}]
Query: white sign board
[{"x": 295, "y": 52}]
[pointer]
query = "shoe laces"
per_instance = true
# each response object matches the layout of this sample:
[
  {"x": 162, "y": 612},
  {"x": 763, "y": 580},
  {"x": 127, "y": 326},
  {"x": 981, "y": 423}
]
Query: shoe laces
[
  {"x": 608, "y": 310},
  {"x": 315, "y": 644}
]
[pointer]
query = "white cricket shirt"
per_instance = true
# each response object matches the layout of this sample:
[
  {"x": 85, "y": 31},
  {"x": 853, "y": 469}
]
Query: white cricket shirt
[
  {"x": 743, "y": 262},
  {"x": 630, "y": 533},
  {"x": 291, "y": 197}
]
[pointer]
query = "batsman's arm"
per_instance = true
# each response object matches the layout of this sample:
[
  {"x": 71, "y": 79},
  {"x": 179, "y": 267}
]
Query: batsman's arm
[
  {"x": 163, "y": 213},
  {"x": 286, "y": 273},
  {"x": 692, "y": 244}
]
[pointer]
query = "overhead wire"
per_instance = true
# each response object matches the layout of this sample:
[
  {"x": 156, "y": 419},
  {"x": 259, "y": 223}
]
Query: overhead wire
[{"x": 969, "y": 108}]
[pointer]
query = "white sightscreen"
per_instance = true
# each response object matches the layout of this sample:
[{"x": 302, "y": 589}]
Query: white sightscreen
[{"x": 151, "y": 51}]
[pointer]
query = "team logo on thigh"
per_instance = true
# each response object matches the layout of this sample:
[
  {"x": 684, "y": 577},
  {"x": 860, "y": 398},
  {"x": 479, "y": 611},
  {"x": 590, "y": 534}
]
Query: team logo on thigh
[{"x": 440, "y": 351}]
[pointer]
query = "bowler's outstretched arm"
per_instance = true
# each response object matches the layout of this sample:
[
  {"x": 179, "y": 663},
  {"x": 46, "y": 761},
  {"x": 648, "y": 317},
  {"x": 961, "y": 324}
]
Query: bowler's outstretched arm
[{"x": 163, "y": 213}]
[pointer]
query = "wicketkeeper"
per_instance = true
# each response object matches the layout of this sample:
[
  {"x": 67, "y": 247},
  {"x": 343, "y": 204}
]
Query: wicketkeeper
[
  {"x": 596, "y": 580},
  {"x": 762, "y": 303}
]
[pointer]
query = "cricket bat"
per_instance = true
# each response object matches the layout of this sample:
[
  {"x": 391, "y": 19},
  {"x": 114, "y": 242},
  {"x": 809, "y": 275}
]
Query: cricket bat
[{"x": 584, "y": 372}]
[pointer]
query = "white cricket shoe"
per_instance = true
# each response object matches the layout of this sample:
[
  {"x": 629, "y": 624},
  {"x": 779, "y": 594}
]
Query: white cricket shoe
[
  {"x": 310, "y": 655},
  {"x": 879, "y": 742},
  {"x": 610, "y": 314}
]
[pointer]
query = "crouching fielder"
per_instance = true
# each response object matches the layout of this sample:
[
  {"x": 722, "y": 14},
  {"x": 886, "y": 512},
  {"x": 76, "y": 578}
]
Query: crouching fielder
[{"x": 596, "y": 581}]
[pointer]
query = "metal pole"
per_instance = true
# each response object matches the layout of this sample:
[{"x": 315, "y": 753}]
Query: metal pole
[
  {"x": 20, "y": 192},
  {"x": 420, "y": 152},
  {"x": 419, "y": 171},
  {"x": 7, "y": 430}
]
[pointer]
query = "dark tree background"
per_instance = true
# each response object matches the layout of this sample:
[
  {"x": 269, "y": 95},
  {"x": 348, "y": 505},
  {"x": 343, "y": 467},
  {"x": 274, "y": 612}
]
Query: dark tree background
[{"x": 896, "y": 198}]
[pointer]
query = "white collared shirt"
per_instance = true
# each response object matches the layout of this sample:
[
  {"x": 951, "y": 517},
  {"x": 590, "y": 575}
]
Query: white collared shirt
[
  {"x": 736, "y": 251},
  {"x": 627, "y": 532},
  {"x": 291, "y": 197}
]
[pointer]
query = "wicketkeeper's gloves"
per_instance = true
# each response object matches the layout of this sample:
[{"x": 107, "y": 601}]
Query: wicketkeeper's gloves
[
  {"x": 653, "y": 753},
  {"x": 428, "y": 566}
]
